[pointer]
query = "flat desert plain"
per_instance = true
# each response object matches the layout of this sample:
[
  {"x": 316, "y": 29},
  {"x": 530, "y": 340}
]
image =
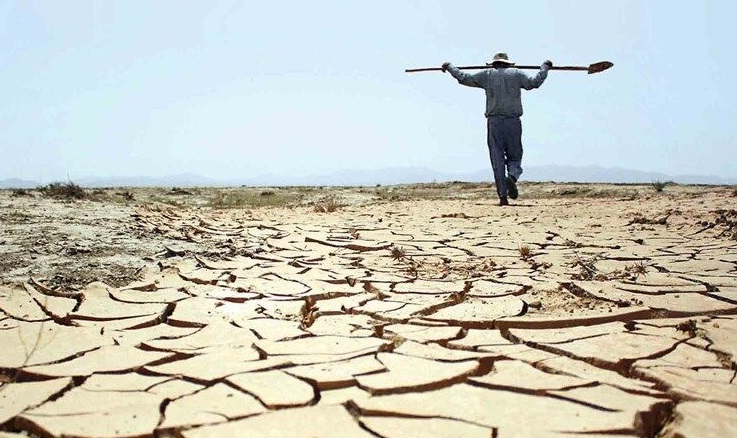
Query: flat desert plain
[{"x": 405, "y": 311}]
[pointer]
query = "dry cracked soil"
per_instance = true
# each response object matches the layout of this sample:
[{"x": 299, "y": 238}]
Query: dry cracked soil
[{"x": 409, "y": 311}]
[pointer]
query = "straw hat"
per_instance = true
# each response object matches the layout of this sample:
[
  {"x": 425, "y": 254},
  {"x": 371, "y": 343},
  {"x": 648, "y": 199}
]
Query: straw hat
[{"x": 500, "y": 57}]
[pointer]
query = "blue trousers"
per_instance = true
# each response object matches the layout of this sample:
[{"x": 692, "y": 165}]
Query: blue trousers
[{"x": 504, "y": 138}]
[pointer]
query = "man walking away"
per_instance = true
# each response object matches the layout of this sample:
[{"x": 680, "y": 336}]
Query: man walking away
[{"x": 503, "y": 84}]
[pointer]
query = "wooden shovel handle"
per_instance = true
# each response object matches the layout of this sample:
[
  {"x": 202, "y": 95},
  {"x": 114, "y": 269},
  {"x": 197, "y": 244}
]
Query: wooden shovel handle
[{"x": 593, "y": 68}]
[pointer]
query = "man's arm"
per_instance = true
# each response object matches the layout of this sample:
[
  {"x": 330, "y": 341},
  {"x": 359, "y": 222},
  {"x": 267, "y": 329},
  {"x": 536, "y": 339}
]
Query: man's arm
[
  {"x": 528, "y": 83},
  {"x": 464, "y": 78}
]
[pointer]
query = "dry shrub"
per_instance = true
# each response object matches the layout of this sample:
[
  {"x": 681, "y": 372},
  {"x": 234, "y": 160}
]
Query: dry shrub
[
  {"x": 178, "y": 191},
  {"x": 525, "y": 252},
  {"x": 17, "y": 193},
  {"x": 398, "y": 253},
  {"x": 659, "y": 186},
  {"x": 636, "y": 269},
  {"x": 328, "y": 205},
  {"x": 727, "y": 220},
  {"x": 67, "y": 190},
  {"x": 587, "y": 268},
  {"x": 689, "y": 327}
]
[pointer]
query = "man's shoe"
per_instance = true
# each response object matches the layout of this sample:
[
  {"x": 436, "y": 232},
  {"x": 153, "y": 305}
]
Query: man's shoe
[
  {"x": 503, "y": 201},
  {"x": 512, "y": 187}
]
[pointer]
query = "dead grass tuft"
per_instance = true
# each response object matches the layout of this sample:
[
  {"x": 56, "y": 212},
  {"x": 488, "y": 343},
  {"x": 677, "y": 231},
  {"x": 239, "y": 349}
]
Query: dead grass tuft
[
  {"x": 637, "y": 269},
  {"x": 398, "y": 253},
  {"x": 328, "y": 205},
  {"x": 525, "y": 252},
  {"x": 587, "y": 268},
  {"x": 688, "y": 327}
]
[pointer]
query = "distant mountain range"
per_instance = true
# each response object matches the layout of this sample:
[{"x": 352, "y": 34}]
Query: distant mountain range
[{"x": 389, "y": 176}]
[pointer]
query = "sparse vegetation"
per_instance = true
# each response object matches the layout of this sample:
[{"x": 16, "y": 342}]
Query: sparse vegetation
[
  {"x": 588, "y": 270},
  {"x": 659, "y": 186},
  {"x": 454, "y": 215},
  {"x": 17, "y": 193},
  {"x": 688, "y": 326},
  {"x": 308, "y": 313},
  {"x": 525, "y": 252},
  {"x": 246, "y": 198},
  {"x": 639, "y": 219},
  {"x": 328, "y": 205},
  {"x": 398, "y": 253},
  {"x": 67, "y": 190},
  {"x": 637, "y": 269},
  {"x": 727, "y": 220},
  {"x": 15, "y": 216},
  {"x": 433, "y": 191},
  {"x": 574, "y": 191},
  {"x": 109, "y": 195},
  {"x": 158, "y": 199},
  {"x": 179, "y": 191},
  {"x": 580, "y": 190}
]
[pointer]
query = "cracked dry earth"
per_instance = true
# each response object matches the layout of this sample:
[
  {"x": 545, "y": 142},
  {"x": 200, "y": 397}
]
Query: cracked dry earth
[{"x": 558, "y": 317}]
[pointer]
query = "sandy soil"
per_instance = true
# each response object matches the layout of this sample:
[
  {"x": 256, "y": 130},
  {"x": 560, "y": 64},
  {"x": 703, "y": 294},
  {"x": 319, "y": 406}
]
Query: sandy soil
[{"x": 214, "y": 312}]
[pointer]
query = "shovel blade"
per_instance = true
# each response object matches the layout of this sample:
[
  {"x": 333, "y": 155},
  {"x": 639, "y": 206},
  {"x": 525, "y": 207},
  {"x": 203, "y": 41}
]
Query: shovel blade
[{"x": 599, "y": 67}]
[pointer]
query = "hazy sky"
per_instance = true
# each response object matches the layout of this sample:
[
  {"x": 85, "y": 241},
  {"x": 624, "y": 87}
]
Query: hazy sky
[{"x": 242, "y": 88}]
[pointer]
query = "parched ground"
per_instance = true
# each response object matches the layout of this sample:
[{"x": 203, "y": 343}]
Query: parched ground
[{"x": 428, "y": 311}]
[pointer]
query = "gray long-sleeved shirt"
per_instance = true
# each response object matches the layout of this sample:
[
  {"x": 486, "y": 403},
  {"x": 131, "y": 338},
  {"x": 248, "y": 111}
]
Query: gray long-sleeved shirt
[{"x": 503, "y": 87}]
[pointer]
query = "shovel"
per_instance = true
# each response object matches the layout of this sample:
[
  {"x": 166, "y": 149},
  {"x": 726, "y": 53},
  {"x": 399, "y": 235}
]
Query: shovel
[{"x": 591, "y": 69}]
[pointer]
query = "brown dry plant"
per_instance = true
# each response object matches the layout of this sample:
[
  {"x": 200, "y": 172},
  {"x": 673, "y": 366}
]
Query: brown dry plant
[
  {"x": 67, "y": 190},
  {"x": 587, "y": 268},
  {"x": 658, "y": 186},
  {"x": 637, "y": 269},
  {"x": 328, "y": 205},
  {"x": 398, "y": 253},
  {"x": 525, "y": 252},
  {"x": 17, "y": 193}
]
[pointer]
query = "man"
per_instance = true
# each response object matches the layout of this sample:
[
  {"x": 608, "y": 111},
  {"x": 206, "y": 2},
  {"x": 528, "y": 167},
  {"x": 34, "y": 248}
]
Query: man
[{"x": 503, "y": 83}]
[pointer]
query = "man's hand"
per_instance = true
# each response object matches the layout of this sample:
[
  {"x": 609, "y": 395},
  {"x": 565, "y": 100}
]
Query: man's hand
[
  {"x": 445, "y": 66},
  {"x": 548, "y": 63}
]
